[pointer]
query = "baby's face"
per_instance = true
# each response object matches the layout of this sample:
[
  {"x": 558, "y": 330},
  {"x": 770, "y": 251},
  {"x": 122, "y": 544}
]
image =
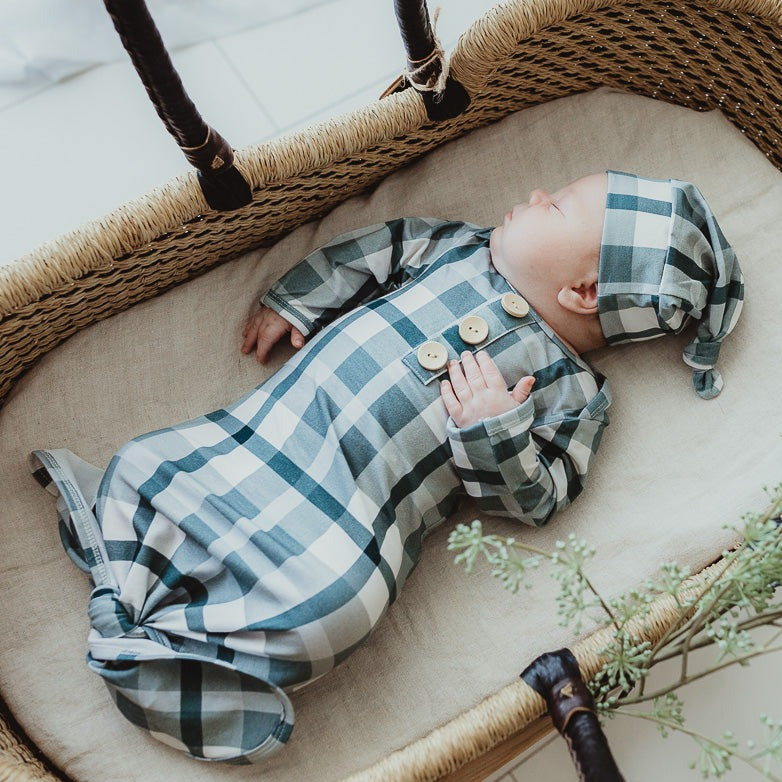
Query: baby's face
[{"x": 553, "y": 237}]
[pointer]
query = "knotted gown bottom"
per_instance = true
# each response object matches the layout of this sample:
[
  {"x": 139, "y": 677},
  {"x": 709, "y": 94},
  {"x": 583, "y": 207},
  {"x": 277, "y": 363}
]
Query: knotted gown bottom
[{"x": 241, "y": 553}]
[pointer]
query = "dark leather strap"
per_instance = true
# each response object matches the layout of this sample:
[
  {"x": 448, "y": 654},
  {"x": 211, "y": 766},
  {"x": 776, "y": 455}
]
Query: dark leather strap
[
  {"x": 568, "y": 697},
  {"x": 418, "y": 37},
  {"x": 555, "y": 676},
  {"x": 415, "y": 28},
  {"x": 223, "y": 185}
]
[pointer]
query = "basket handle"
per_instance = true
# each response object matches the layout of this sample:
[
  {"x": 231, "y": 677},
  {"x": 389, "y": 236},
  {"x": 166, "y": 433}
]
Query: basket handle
[
  {"x": 443, "y": 98},
  {"x": 222, "y": 183},
  {"x": 555, "y": 676}
]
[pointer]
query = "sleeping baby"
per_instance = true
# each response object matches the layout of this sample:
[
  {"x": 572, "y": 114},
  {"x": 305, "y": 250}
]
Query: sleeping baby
[{"x": 249, "y": 551}]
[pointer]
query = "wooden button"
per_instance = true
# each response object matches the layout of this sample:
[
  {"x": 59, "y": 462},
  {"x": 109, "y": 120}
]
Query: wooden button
[
  {"x": 515, "y": 305},
  {"x": 473, "y": 329},
  {"x": 432, "y": 355}
]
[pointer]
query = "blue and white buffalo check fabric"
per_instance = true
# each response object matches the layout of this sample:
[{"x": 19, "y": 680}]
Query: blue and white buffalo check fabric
[
  {"x": 252, "y": 549},
  {"x": 663, "y": 261}
]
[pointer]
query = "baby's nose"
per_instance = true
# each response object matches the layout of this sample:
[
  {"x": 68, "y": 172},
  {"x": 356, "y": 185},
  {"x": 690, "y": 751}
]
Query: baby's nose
[{"x": 539, "y": 196}]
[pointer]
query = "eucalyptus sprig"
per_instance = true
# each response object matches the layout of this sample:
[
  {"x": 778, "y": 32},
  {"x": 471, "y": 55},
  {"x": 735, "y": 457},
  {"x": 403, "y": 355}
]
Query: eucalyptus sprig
[{"x": 718, "y": 611}]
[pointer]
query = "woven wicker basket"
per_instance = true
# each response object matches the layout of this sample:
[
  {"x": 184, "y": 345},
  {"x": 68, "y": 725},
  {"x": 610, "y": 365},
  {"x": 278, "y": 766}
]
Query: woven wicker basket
[{"x": 704, "y": 55}]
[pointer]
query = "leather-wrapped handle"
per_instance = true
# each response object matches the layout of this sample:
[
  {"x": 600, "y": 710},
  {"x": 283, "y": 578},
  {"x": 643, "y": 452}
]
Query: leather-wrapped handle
[
  {"x": 223, "y": 185},
  {"x": 555, "y": 676},
  {"x": 420, "y": 44},
  {"x": 415, "y": 28}
]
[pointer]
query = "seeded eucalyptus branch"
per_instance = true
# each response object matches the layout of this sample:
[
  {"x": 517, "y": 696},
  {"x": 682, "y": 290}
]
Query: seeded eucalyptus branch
[{"x": 718, "y": 612}]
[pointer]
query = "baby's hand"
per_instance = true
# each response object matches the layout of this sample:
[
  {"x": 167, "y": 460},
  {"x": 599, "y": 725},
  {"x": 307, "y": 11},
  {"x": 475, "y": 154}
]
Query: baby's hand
[
  {"x": 264, "y": 329},
  {"x": 477, "y": 390}
]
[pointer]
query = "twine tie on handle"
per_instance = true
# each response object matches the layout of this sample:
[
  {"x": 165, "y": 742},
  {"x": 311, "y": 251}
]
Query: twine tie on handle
[{"x": 421, "y": 66}]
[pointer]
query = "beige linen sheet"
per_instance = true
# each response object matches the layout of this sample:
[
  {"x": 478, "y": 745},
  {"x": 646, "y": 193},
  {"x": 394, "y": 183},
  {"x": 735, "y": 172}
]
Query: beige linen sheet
[{"x": 672, "y": 472}]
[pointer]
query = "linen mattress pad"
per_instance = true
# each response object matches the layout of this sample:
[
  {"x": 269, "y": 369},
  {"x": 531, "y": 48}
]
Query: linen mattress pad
[{"x": 673, "y": 472}]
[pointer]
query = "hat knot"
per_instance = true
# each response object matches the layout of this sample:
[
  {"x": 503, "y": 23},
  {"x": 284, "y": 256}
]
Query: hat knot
[{"x": 665, "y": 261}]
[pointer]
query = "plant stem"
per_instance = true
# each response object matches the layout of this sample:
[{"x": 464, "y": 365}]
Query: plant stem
[
  {"x": 565, "y": 561},
  {"x": 750, "y": 761},
  {"x": 695, "y": 677},
  {"x": 602, "y": 602},
  {"x": 675, "y": 631},
  {"x": 696, "y": 623},
  {"x": 759, "y": 620}
]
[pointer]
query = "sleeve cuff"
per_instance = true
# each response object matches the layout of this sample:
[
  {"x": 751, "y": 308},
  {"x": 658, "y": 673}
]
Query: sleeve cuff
[
  {"x": 508, "y": 424},
  {"x": 283, "y": 307}
]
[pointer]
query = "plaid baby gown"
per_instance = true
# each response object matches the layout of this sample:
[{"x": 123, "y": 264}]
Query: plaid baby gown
[{"x": 252, "y": 549}]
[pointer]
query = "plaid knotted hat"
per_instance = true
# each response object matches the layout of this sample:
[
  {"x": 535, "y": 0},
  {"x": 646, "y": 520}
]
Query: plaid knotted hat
[{"x": 664, "y": 260}]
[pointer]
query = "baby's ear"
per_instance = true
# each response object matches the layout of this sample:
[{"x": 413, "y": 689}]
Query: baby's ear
[{"x": 581, "y": 299}]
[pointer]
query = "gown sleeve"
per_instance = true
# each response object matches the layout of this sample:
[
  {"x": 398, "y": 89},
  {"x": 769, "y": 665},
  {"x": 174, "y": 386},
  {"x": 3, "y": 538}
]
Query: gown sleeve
[
  {"x": 358, "y": 266},
  {"x": 519, "y": 467}
]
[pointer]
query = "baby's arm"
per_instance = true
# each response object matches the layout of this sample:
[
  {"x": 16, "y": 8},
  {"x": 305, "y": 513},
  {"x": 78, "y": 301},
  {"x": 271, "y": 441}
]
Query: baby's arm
[
  {"x": 355, "y": 268},
  {"x": 517, "y": 466}
]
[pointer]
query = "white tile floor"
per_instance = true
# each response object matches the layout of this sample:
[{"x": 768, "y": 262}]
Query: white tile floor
[{"x": 76, "y": 150}]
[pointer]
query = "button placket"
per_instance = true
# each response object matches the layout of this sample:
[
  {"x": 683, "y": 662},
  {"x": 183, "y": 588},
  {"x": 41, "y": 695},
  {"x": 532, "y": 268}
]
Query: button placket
[{"x": 501, "y": 318}]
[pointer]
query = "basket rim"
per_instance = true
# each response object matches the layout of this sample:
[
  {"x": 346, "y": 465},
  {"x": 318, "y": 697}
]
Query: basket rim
[{"x": 94, "y": 245}]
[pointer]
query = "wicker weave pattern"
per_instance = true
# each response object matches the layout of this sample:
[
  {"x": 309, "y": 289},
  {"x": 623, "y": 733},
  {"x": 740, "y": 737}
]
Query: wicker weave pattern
[
  {"x": 704, "y": 55},
  {"x": 17, "y": 761},
  {"x": 680, "y": 53}
]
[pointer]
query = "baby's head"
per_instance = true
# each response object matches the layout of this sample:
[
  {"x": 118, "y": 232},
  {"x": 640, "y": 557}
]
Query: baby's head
[
  {"x": 613, "y": 258},
  {"x": 550, "y": 246}
]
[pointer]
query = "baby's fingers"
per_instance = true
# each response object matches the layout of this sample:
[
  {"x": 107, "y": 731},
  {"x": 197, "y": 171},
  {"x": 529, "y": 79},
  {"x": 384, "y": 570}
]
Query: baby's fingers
[
  {"x": 250, "y": 323},
  {"x": 522, "y": 389},
  {"x": 459, "y": 383},
  {"x": 250, "y": 332},
  {"x": 491, "y": 373},
  {"x": 473, "y": 372},
  {"x": 452, "y": 404},
  {"x": 297, "y": 338}
]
